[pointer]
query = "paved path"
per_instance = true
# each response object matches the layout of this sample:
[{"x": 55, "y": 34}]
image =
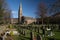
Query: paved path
[{"x": 3, "y": 28}]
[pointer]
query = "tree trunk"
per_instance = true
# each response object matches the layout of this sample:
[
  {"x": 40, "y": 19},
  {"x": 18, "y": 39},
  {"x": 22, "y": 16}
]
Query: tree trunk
[{"x": 42, "y": 21}]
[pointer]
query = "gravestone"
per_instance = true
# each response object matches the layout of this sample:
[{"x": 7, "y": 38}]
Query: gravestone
[
  {"x": 34, "y": 37},
  {"x": 38, "y": 37},
  {"x": 31, "y": 38}
]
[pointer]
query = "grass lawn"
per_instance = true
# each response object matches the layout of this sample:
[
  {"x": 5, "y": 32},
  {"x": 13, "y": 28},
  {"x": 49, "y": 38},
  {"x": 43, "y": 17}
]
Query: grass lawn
[
  {"x": 56, "y": 36},
  {"x": 15, "y": 37}
]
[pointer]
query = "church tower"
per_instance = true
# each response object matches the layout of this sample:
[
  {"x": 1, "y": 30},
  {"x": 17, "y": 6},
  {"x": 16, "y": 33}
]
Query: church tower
[{"x": 20, "y": 13}]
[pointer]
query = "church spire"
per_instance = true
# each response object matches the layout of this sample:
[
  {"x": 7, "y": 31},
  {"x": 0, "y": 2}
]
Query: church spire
[
  {"x": 20, "y": 3},
  {"x": 20, "y": 12}
]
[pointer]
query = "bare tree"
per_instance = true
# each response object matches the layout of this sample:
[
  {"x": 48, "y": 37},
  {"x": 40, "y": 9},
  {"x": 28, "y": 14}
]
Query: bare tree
[
  {"x": 7, "y": 16},
  {"x": 55, "y": 7},
  {"x": 4, "y": 11},
  {"x": 42, "y": 11},
  {"x": 1, "y": 10}
]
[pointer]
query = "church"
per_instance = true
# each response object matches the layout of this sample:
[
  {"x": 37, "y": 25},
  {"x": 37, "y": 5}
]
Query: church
[{"x": 21, "y": 18}]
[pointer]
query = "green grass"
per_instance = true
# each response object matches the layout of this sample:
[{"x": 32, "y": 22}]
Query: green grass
[
  {"x": 57, "y": 35},
  {"x": 15, "y": 37}
]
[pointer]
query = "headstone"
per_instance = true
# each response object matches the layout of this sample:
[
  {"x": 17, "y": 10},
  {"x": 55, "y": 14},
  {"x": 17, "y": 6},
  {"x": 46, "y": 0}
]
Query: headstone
[
  {"x": 31, "y": 38},
  {"x": 38, "y": 37},
  {"x": 35, "y": 29},
  {"x": 34, "y": 37},
  {"x": 24, "y": 32},
  {"x": 38, "y": 29}
]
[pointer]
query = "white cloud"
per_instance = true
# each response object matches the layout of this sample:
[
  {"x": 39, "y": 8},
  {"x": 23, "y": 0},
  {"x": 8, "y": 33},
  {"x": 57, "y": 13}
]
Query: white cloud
[
  {"x": 15, "y": 14},
  {"x": 14, "y": 11}
]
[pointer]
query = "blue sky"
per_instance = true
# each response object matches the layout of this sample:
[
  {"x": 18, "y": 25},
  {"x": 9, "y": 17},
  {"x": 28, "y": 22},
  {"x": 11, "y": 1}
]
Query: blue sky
[{"x": 29, "y": 6}]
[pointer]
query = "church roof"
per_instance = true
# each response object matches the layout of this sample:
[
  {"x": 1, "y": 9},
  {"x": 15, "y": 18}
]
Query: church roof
[{"x": 27, "y": 18}]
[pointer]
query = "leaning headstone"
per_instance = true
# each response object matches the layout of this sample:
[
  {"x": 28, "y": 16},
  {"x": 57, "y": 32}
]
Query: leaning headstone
[
  {"x": 34, "y": 37},
  {"x": 39, "y": 37},
  {"x": 57, "y": 27},
  {"x": 52, "y": 34},
  {"x": 31, "y": 38},
  {"x": 21, "y": 31},
  {"x": 35, "y": 29},
  {"x": 38, "y": 29},
  {"x": 24, "y": 32},
  {"x": 43, "y": 32},
  {"x": 49, "y": 32}
]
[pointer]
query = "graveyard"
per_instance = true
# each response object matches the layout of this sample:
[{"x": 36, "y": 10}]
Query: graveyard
[
  {"x": 29, "y": 20},
  {"x": 29, "y": 32}
]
